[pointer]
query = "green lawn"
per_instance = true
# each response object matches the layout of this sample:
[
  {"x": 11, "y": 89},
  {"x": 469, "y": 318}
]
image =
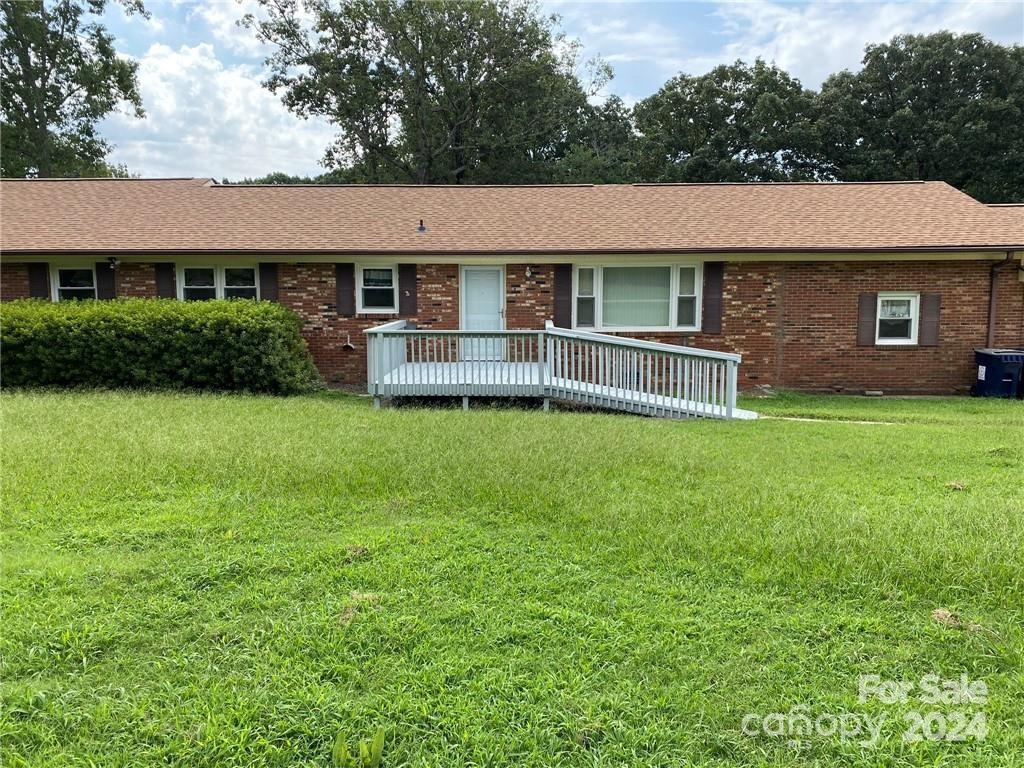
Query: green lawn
[{"x": 227, "y": 580}]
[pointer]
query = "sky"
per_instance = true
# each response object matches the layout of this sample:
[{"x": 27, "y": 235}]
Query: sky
[{"x": 207, "y": 113}]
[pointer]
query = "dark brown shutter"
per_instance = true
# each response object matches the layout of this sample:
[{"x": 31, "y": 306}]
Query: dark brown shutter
[
  {"x": 407, "y": 290},
  {"x": 268, "y": 281},
  {"x": 105, "y": 288},
  {"x": 714, "y": 272},
  {"x": 345, "y": 275},
  {"x": 929, "y": 335},
  {"x": 164, "y": 275},
  {"x": 867, "y": 306},
  {"x": 563, "y": 295},
  {"x": 39, "y": 280}
]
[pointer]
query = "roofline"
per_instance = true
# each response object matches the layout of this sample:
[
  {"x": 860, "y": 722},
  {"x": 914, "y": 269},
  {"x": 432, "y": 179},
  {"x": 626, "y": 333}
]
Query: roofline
[{"x": 503, "y": 252}]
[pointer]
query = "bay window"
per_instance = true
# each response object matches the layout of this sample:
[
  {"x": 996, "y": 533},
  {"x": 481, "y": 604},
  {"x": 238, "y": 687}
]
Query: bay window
[
  {"x": 205, "y": 283},
  {"x": 619, "y": 297}
]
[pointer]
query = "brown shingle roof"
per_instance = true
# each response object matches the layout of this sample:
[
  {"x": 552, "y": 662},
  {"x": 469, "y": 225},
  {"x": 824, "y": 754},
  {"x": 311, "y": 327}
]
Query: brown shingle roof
[{"x": 139, "y": 216}]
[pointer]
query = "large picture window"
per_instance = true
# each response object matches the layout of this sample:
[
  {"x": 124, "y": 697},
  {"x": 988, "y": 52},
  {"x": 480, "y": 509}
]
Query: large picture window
[
  {"x": 377, "y": 291},
  {"x": 638, "y": 297},
  {"x": 205, "y": 283}
]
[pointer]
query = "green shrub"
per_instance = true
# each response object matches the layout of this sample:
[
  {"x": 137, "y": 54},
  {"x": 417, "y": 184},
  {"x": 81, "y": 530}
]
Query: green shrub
[{"x": 155, "y": 343}]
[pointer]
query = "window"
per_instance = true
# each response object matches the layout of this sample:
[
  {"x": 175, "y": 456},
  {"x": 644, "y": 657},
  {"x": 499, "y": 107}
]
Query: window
[
  {"x": 686, "y": 298},
  {"x": 585, "y": 298},
  {"x": 638, "y": 297},
  {"x": 239, "y": 283},
  {"x": 75, "y": 283},
  {"x": 204, "y": 283},
  {"x": 377, "y": 290},
  {"x": 897, "y": 318}
]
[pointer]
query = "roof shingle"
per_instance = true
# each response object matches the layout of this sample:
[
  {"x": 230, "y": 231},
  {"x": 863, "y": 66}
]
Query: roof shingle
[{"x": 174, "y": 215}]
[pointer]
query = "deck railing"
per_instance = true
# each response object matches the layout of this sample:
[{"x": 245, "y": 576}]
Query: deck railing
[{"x": 580, "y": 366}]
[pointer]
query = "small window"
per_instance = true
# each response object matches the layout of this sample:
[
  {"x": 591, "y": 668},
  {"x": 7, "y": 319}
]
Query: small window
[
  {"x": 686, "y": 298},
  {"x": 239, "y": 283},
  {"x": 74, "y": 284},
  {"x": 897, "y": 318},
  {"x": 377, "y": 290},
  {"x": 585, "y": 298},
  {"x": 199, "y": 283}
]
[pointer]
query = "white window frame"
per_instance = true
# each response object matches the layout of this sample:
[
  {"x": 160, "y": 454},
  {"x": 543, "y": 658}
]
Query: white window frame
[
  {"x": 672, "y": 327},
  {"x": 915, "y": 317},
  {"x": 360, "y": 309},
  {"x": 55, "y": 279},
  {"x": 218, "y": 277}
]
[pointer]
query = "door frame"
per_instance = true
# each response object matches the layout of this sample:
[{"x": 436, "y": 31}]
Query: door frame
[{"x": 463, "y": 269}]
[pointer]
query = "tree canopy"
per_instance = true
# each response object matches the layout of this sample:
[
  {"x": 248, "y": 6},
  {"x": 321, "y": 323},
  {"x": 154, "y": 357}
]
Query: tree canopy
[
  {"x": 938, "y": 106},
  {"x": 61, "y": 75},
  {"x": 427, "y": 92}
]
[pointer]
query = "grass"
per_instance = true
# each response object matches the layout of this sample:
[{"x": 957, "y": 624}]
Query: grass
[{"x": 235, "y": 581}]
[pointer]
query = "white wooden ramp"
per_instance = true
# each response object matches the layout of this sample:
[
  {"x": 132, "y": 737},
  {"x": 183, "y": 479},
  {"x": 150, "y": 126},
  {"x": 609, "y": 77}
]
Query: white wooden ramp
[{"x": 596, "y": 369}]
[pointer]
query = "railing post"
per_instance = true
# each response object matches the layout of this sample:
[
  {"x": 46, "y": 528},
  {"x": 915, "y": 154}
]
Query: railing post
[
  {"x": 541, "y": 367},
  {"x": 732, "y": 387}
]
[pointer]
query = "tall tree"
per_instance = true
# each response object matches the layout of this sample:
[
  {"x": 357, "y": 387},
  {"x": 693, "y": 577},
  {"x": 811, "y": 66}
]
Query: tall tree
[
  {"x": 445, "y": 91},
  {"x": 940, "y": 106},
  {"x": 736, "y": 123},
  {"x": 61, "y": 75}
]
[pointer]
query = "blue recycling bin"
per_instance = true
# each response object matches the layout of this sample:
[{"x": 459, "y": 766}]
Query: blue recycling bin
[{"x": 999, "y": 373}]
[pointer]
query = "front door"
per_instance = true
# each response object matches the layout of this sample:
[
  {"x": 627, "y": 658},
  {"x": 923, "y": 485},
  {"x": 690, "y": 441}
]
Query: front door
[{"x": 483, "y": 309}]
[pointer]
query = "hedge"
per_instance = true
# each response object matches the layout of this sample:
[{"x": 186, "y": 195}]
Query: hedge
[{"x": 239, "y": 345}]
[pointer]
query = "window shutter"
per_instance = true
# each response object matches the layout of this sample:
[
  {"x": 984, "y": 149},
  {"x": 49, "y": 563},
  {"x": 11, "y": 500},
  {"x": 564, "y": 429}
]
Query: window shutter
[
  {"x": 268, "y": 281},
  {"x": 407, "y": 290},
  {"x": 38, "y": 280},
  {"x": 345, "y": 276},
  {"x": 563, "y": 295},
  {"x": 866, "y": 308},
  {"x": 105, "y": 288},
  {"x": 164, "y": 276},
  {"x": 714, "y": 272},
  {"x": 929, "y": 335}
]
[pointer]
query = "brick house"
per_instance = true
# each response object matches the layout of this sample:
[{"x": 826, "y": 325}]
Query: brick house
[{"x": 828, "y": 287}]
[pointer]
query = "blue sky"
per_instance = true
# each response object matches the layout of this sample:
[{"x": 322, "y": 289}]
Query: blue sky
[{"x": 208, "y": 115}]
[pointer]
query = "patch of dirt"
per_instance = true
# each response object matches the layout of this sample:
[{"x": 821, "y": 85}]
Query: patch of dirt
[{"x": 359, "y": 601}]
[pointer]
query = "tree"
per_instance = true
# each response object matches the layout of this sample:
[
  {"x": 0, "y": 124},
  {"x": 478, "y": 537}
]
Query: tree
[
  {"x": 938, "y": 106},
  {"x": 602, "y": 147},
  {"x": 735, "y": 123},
  {"x": 434, "y": 92},
  {"x": 61, "y": 75}
]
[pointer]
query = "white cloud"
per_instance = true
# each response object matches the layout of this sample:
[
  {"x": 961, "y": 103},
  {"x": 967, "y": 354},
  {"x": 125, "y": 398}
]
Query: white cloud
[
  {"x": 812, "y": 41},
  {"x": 205, "y": 118},
  {"x": 222, "y": 19}
]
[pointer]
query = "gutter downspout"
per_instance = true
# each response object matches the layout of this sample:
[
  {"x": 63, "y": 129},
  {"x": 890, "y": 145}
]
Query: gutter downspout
[{"x": 992, "y": 272}]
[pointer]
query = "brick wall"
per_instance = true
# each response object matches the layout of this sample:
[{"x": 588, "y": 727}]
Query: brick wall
[
  {"x": 794, "y": 323},
  {"x": 13, "y": 281},
  {"x": 135, "y": 279},
  {"x": 338, "y": 344}
]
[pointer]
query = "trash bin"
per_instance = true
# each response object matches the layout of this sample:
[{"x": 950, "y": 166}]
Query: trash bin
[{"x": 999, "y": 373}]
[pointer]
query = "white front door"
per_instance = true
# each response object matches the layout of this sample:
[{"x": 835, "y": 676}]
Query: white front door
[{"x": 483, "y": 309}]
